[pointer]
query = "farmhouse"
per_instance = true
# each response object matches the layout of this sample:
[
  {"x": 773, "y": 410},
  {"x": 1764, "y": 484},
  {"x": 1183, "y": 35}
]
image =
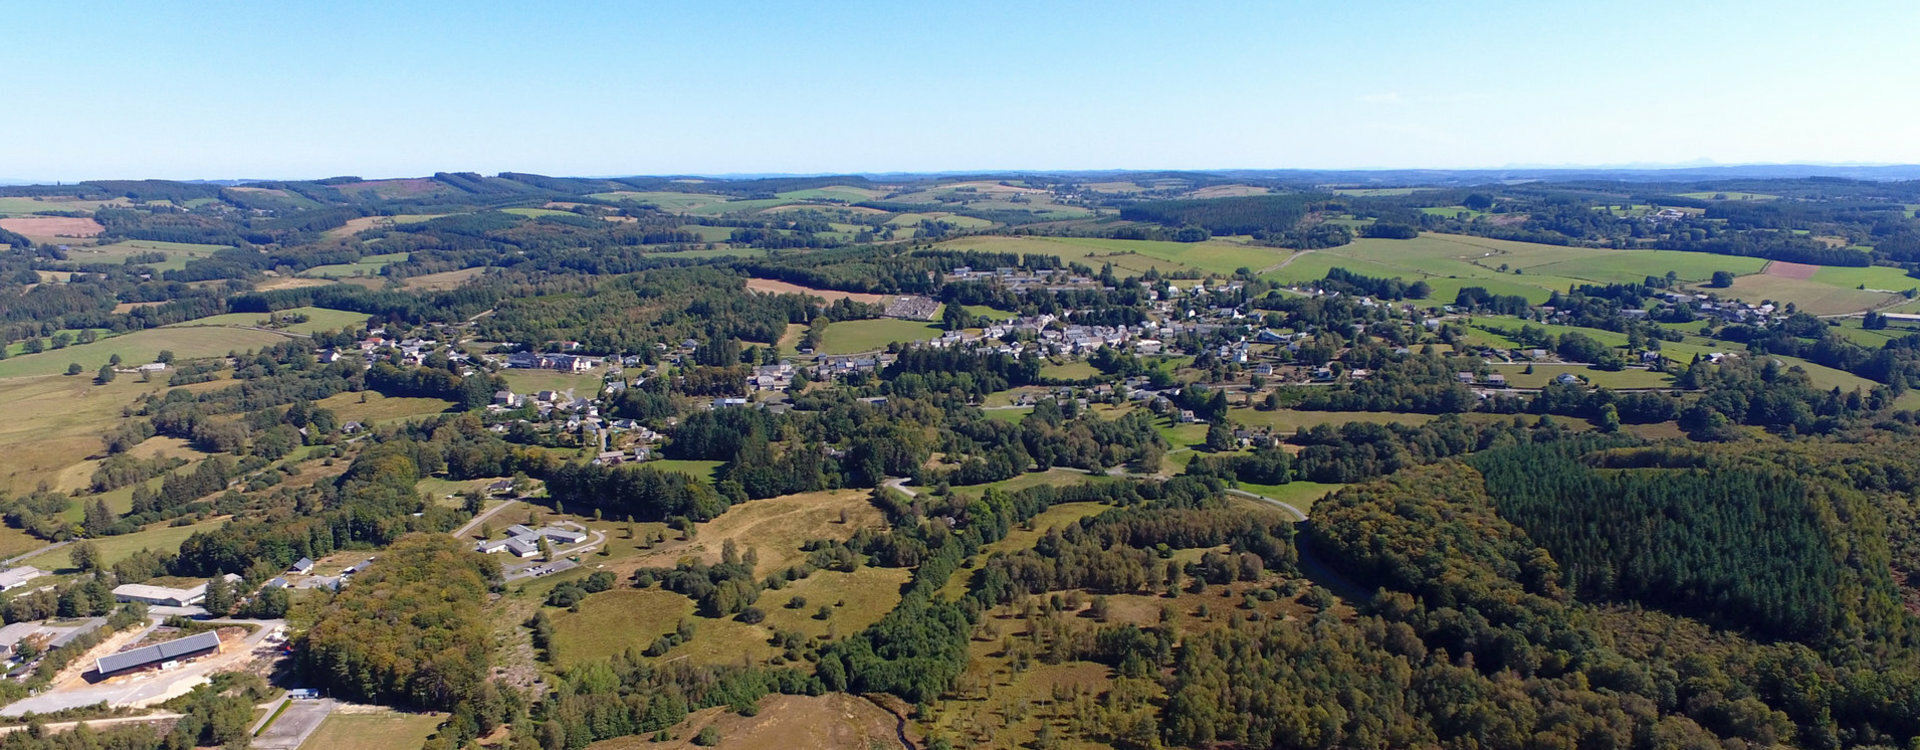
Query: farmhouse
[
  {"x": 162, "y": 654},
  {"x": 303, "y": 566},
  {"x": 159, "y": 595}
]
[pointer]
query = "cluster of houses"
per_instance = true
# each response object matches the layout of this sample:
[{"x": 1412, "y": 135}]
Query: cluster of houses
[
  {"x": 545, "y": 361},
  {"x": 524, "y": 542}
]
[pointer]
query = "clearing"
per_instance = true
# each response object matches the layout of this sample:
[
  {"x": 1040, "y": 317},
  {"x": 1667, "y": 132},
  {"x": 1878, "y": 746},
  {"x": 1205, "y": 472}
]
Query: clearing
[
  {"x": 137, "y": 348},
  {"x": 854, "y": 336},
  {"x": 771, "y": 286},
  {"x": 784, "y": 722},
  {"x": 373, "y": 729}
]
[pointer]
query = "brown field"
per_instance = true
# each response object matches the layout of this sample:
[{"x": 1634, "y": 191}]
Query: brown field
[
  {"x": 436, "y": 282},
  {"x": 126, "y": 307},
  {"x": 770, "y": 286},
  {"x": 785, "y": 722},
  {"x": 1228, "y": 191},
  {"x": 36, "y": 227},
  {"x": 290, "y": 282},
  {"x": 1785, "y": 270},
  {"x": 406, "y": 188}
]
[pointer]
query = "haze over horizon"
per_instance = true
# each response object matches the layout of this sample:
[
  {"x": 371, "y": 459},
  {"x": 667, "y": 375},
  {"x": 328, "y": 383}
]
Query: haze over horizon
[{"x": 231, "y": 90}]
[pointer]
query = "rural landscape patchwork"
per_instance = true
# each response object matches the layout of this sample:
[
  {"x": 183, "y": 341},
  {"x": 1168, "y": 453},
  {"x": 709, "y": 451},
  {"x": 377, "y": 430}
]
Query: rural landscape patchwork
[{"x": 909, "y": 453}]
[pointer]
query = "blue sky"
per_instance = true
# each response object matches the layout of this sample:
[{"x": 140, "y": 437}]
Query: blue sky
[{"x": 220, "y": 89}]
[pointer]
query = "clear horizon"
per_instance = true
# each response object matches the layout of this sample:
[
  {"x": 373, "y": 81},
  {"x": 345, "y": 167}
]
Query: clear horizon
[{"x": 230, "y": 90}]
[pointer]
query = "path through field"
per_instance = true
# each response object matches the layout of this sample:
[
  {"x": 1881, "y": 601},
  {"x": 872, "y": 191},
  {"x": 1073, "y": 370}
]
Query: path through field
[{"x": 1283, "y": 264}]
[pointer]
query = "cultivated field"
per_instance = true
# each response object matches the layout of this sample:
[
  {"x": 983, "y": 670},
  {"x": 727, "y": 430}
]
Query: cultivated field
[
  {"x": 1810, "y": 295},
  {"x": 783, "y": 722},
  {"x": 356, "y": 226},
  {"x": 52, "y": 228}
]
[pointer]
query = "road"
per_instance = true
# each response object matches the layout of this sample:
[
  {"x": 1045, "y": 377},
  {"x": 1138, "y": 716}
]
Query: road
[
  {"x": 1297, "y": 513},
  {"x": 62, "y": 726},
  {"x": 149, "y": 688},
  {"x": 463, "y": 531},
  {"x": 9, "y": 562},
  {"x": 899, "y": 484}
]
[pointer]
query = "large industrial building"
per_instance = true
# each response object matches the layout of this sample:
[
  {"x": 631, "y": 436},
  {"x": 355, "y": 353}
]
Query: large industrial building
[{"x": 198, "y": 644}]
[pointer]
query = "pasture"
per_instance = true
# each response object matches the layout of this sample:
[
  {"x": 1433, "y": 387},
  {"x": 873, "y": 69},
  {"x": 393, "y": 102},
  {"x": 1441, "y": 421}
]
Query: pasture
[
  {"x": 366, "y": 266},
  {"x": 1288, "y": 420},
  {"x": 318, "y": 319},
  {"x": 178, "y": 253},
  {"x": 442, "y": 281},
  {"x": 665, "y": 201},
  {"x": 784, "y": 722},
  {"x": 840, "y": 193},
  {"x": 855, "y": 336},
  {"x": 1882, "y": 278},
  {"x": 30, "y": 205},
  {"x": 136, "y": 348},
  {"x": 773, "y": 286},
  {"x": 113, "y": 549},
  {"x": 370, "y": 407},
  {"x": 54, "y": 422},
  {"x": 1809, "y": 295},
  {"x": 582, "y": 384},
  {"x": 364, "y": 223}
]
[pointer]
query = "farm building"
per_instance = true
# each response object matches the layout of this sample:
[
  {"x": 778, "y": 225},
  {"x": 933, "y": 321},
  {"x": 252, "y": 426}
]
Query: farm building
[
  {"x": 13, "y": 578},
  {"x": 12, "y": 635},
  {"x": 159, "y": 595},
  {"x": 198, "y": 644},
  {"x": 303, "y": 566}
]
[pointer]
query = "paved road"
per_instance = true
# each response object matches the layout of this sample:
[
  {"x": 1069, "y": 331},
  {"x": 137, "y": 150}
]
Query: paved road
[
  {"x": 900, "y": 484},
  {"x": 9, "y": 562},
  {"x": 463, "y": 531},
  {"x": 294, "y": 726},
  {"x": 1297, "y": 513},
  {"x": 145, "y": 688}
]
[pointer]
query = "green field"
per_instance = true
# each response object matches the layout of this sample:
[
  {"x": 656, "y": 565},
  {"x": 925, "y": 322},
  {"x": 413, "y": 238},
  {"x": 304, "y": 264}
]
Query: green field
[
  {"x": 371, "y": 407},
  {"x": 178, "y": 253},
  {"x": 1075, "y": 370},
  {"x": 702, "y": 470},
  {"x": 1729, "y": 196},
  {"x": 1451, "y": 262},
  {"x": 367, "y": 266},
  {"x": 1301, "y": 495},
  {"x": 832, "y": 193},
  {"x": 113, "y": 549},
  {"x": 666, "y": 201},
  {"x": 854, "y": 336},
  {"x": 1135, "y": 255},
  {"x": 1871, "y": 277},
  {"x": 387, "y": 730},
  {"x": 27, "y": 206},
  {"x": 318, "y": 319},
  {"x": 137, "y": 348},
  {"x": 1545, "y": 373},
  {"x": 1286, "y": 421},
  {"x": 535, "y": 213},
  {"x": 1808, "y": 295},
  {"x": 584, "y": 384}
]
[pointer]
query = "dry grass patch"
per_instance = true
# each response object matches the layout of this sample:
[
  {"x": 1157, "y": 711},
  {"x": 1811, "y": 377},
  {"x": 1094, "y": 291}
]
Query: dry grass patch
[
  {"x": 785, "y": 722},
  {"x": 42, "y": 228},
  {"x": 374, "y": 730},
  {"x": 438, "y": 282},
  {"x": 770, "y": 286}
]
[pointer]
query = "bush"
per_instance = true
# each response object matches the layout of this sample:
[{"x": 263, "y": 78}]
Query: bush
[
  {"x": 752, "y": 615},
  {"x": 707, "y": 737}
]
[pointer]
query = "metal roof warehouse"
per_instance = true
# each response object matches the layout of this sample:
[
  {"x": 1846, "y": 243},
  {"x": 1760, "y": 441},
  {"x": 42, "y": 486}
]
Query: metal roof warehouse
[{"x": 193, "y": 645}]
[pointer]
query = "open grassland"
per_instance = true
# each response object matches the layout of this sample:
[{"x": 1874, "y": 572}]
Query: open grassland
[
  {"x": 54, "y": 422},
  {"x": 1870, "y": 277},
  {"x": 583, "y": 384},
  {"x": 366, "y": 266},
  {"x": 1714, "y": 196},
  {"x": 1301, "y": 495},
  {"x": 113, "y": 549},
  {"x": 136, "y": 348},
  {"x": 665, "y": 201},
  {"x": 611, "y": 622},
  {"x": 371, "y": 407},
  {"x": 1289, "y": 420},
  {"x": 1450, "y": 262},
  {"x": 774, "y": 286},
  {"x": 831, "y": 193},
  {"x": 855, "y": 336},
  {"x": 274, "y": 283},
  {"x": 1826, "y": 377},
  {"x": 1545, "y": 373},
  {"x": 318, "y": 319},
  {"x": 178, "y": 253},
  {"x": 535, "y": 213},
  {"x": 28, "y": 206},
  {"x": 1134, "y": 255},
  {"x": 442, "y": 281},
  {"x": 377, "y": 730},
  {"x": 1378, "y": 192},
  {"x": 79, "y": 476},
  {"x": 784, "y": 722},
  {"x": 702, "y": 470},
  {"x": 1809, "y": 295},
  {"x": 1074, "y": 370},
  {"x": 364, "y": 223}
]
